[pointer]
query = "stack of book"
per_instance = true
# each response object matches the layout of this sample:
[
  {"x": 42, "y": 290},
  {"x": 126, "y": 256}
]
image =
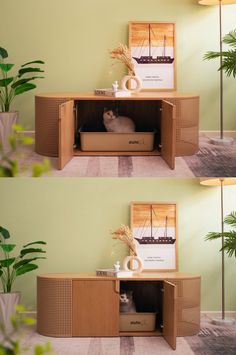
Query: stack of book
[
  {"x": 112, "y": 93},
  {"x": 114, "y": 273}
]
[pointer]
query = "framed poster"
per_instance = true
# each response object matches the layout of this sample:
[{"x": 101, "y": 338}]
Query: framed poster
[
  {"x": 152, "y": 46},
  {"x": 154, "y": 227}
]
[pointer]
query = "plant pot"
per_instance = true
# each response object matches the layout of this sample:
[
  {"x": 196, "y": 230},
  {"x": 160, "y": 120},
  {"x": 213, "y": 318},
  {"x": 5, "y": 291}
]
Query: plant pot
[
  {"x": 7, "y": 308},
  {"x": 133, "y": 263},
  {"x": 7, "y": 119},
  {"x": 134, "y": 78}
]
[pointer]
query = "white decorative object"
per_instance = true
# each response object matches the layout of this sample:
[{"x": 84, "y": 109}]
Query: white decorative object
[
  {"x": 115, "y": 86},
  {"x": 7, "y": 119},
  {"x": 117, "y": 266},
  {"x": 7, "y": 308},
  {"x": 135, "y": 78},
  {"x": 130, "y": 261}
]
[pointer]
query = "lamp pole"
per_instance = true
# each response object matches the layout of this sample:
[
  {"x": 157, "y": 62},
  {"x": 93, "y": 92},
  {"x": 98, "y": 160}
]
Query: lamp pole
[
  {"x": 223, "y": 252},
  {"x": 221, "y": 75}
]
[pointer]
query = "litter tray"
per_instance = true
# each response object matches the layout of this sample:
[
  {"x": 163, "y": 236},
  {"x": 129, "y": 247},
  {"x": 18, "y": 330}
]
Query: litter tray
[
  {"x": 137, "y": 322},
  {"x": 117, "y": 142}
]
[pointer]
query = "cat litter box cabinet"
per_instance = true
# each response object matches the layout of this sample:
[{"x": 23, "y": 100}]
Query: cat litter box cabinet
[
  {"x": 59, "y": 116},
  {"x": 86, "y": 305}
]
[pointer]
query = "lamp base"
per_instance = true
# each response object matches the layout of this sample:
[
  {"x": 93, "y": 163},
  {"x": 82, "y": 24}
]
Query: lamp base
[
  {"x": 225, "y": 321},
  {"x": 222, "y": 141}
]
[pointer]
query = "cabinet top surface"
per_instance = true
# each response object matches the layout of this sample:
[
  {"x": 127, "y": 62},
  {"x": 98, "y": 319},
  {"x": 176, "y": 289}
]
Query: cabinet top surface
[
  {"x": 136, "y": 276},
  {"x": 146, "y": 95}
]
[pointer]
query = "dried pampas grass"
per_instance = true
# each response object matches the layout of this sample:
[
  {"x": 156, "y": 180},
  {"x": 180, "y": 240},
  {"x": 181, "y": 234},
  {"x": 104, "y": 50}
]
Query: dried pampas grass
[
  {"x": 123, "y": 55},
  {"x": 125, "y": 235}
]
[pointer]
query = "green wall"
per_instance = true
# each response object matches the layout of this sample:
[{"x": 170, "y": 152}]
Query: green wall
[
  {"x": 73, "y": 37},
  {"x": 75, "y": 216}
]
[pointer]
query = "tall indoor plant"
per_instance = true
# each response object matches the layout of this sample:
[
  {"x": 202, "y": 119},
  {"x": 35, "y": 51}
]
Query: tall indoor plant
[
  {"x": 229, "y": 237},
  {"x": 228, "y": 57},
  {"x": 12, "y": 86},
  {"x": 12, "y": 267}
]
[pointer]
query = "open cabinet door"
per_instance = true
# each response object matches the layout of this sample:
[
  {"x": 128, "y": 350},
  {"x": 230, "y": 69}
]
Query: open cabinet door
[
  {"x": 66, "y": 133},
  {"x": 168, "y": 133},
  {"x": 169, "y": 314}
]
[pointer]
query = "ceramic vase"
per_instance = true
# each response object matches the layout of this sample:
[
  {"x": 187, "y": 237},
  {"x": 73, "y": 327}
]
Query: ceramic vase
[
  {"x": 7, "y": 309},
  {"x": 134, "y": 78},
  {"x": 7, "y": 119},
  {"x": 133, "y": 263}
]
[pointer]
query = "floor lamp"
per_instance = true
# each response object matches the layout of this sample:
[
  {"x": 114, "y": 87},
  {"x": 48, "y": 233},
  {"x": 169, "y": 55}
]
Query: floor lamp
[
  {"x": 221, "y": 140},
  {"x": 221, "y": 182}
]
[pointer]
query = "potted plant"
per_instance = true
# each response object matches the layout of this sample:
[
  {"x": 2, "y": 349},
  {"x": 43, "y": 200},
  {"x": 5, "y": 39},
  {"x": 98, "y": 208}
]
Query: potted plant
[
  {"x": 228, "y": 57},
  {"x": 10, "y": 87},
  {"x": 10, "y": 268},
  {"x": 229, "y": 237}
]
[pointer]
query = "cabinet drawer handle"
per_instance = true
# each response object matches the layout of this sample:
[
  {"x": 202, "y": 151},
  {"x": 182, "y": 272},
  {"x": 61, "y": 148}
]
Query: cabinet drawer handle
[{"x": 117, "y": 286}]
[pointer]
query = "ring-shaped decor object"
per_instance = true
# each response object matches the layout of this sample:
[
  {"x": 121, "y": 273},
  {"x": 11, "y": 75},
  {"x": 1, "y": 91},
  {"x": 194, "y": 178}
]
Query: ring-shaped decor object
[
  {"x": 130, "y": 260},
  {"x": 127, "y": 78}
]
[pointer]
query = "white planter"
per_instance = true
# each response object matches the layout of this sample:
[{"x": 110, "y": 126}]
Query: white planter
[
  {"x": 7, "y": 119},
  {"x": 7, "y": 308}
]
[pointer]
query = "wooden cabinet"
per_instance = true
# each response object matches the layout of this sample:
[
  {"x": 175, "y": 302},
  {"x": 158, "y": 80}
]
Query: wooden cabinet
[
  {"x": 88, "y": 305},
  {"x": 95, "y": 308},
  {"x": 175, "y": 115}
]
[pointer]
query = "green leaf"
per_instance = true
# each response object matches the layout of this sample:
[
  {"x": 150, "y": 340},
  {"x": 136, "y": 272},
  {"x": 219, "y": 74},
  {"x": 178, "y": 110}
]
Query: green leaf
[
  {"x": 3, "y": 53},
  {"x": 26, "y": 140},
  {"x": 6, "y": 67},
  {"x": 23, "y": 88},
  {"x": 8, "y": 262},
  {"x": 5, "y": 233},
  {"x": 231, "y": 219},
  {"x": 23, "y": 81},
  {"x": 26, "y": 261},
  {"x": 29, "y": 70},
  {"x": 7, "y": 247},
  {"x": 230, "y": 38},
  {"x": 26, "y": 268},
  {"x": 31, "y": 250},
  {"x": 5, "y": 82},
  {"x": 28, "y": 321},
  {"x": 38, "y": 242},
  {"x": 19, "y": 308},
  {"x": 39, "y": 169},
  {"x": 35, "y": 61}
]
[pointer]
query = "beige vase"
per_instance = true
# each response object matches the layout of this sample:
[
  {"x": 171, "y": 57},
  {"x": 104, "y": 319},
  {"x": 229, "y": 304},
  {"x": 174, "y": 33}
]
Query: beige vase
[
  {"x": 7, "y": 119},
  {"x": 7, "y": 308},
  {"x": 133, "y": 263},
  {"x": 133, "y": 78}
]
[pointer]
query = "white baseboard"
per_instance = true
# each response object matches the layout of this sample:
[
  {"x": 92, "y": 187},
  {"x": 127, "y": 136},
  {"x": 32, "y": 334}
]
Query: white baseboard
[
  {"x": 210, "y": 134},
  {"x": 214, "y": 314}
]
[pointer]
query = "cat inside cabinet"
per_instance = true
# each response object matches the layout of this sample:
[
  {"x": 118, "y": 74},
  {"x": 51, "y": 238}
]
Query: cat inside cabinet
[
  {"x": 141, "y": 306},
  {"x": 137, "y": 122}
]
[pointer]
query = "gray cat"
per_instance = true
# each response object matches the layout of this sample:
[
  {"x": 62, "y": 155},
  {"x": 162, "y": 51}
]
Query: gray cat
[
  {"x": 126, "y": 302},
  {"x": 115, "y": 123}
]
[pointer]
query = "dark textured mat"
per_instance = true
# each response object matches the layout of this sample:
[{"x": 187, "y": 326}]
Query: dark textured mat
[
  {"x": 213, "y": 160},
  {"x": 214, "y": 341}
]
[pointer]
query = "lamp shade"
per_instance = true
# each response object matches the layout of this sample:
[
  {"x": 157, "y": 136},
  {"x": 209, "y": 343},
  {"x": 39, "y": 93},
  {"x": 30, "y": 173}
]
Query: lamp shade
[
  {"x": 216, "y": 2},
  {"x": 217, "y": 181}
]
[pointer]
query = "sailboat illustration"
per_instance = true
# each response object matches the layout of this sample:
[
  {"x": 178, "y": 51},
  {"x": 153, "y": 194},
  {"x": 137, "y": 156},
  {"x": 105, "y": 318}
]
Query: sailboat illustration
[
  {"x": 151, "y": 239},
  {"x": 149, "y": 59}
]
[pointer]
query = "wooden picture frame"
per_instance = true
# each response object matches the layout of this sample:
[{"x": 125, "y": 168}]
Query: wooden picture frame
[
  {"x": 154, "y": 226},
  {"x": 153, "y": 50}
]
